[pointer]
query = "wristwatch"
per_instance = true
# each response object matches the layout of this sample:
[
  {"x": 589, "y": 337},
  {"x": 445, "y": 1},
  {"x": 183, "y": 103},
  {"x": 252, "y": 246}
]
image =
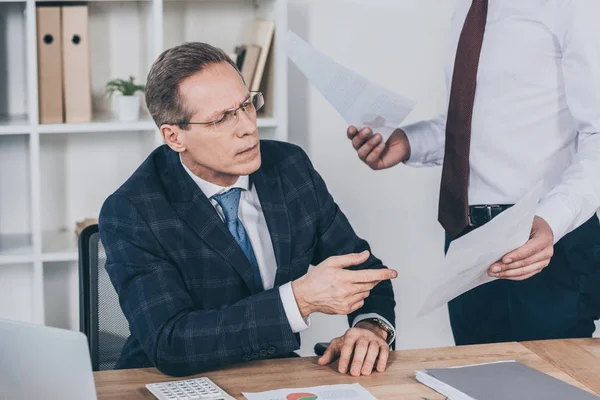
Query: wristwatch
[{"x": 385, "y": 326}]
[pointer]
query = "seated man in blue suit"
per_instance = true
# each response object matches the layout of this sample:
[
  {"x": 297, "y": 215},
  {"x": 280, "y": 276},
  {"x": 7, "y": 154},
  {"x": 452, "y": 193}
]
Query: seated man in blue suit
[{"x": 209, "y": 242}]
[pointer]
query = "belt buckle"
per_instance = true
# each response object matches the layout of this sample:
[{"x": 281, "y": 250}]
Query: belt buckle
[{"x": 488, "y": 208}]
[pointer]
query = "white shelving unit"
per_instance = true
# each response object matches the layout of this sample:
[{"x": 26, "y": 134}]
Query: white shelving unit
[{"x": 52, "y": 175}]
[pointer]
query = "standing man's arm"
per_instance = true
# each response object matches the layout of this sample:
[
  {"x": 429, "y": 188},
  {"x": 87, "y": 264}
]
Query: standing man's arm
[
  {"x": 576, "y": 197},
  {"x": 419, "y": 145},
  {"x": 427, "y": 139}
]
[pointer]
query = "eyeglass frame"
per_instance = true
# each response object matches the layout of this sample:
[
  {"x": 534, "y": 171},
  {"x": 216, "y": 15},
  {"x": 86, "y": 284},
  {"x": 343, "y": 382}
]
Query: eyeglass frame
[{"x": 234, "y": 111}]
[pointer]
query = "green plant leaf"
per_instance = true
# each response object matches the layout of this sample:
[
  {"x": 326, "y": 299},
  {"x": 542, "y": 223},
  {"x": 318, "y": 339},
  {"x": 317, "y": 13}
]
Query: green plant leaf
[{"x": 125, "y": 87}]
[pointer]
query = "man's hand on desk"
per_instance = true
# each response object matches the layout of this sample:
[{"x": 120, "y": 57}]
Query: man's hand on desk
[
  {"x": 367, "y": 342},
  {"x": 330, "y": 289},
  {"x": 529, "y": 259}
]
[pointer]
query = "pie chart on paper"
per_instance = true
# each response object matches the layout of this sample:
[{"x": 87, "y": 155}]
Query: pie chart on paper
[{"x": 302, "y": 396}]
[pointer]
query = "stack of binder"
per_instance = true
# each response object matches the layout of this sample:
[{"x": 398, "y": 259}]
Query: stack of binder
[{"x": 64, "y": 81}]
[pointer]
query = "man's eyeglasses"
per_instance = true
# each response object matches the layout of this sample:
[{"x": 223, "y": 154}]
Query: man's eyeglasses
[{"x": 230, "y": 117}]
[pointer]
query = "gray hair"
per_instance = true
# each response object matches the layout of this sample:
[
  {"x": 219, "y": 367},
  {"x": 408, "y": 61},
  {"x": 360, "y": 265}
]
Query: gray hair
[{"x": 170, "y": 68}]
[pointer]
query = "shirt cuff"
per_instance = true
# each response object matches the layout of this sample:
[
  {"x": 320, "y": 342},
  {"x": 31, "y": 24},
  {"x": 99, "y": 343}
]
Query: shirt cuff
[
  {"x": 425, "y": 147},
  {"x": 362, "y": 317},
  {"x": 297, "y": 323},
  {"x": 557, "y": 215}
]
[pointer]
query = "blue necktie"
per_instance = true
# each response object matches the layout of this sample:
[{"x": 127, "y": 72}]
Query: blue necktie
[{"x": 229, "y": 202}]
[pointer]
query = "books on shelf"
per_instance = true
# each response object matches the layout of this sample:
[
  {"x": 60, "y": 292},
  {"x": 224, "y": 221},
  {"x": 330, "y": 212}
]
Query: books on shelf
[
  {"x": 64, "y": 81},
  {"x": 251, "y": 57},
  {"x": 247, "y": 61},
  {"x": 261, "y": 34}
]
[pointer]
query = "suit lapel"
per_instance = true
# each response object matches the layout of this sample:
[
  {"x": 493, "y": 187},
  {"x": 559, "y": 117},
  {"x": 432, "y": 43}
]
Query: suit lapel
[
  {"x": 197, "y": 212},
  {"x": 270, "y": 193}
]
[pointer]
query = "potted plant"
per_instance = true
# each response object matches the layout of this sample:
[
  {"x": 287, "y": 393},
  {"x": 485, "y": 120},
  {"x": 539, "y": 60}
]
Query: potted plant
[{"x": 128, "y": 105}]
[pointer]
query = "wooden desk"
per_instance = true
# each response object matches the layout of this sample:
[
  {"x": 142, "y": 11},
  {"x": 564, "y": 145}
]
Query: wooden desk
[{"x": 574, "y": 361}]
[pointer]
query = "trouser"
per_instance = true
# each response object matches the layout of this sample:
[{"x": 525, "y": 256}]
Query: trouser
[{"x": 562, "y": 301}]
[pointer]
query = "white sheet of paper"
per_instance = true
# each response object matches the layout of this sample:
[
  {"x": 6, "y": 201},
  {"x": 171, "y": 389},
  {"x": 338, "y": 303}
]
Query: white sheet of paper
[
  {"x": 469, "y": 257},
  {"x": 329, "y": 392},
  {"x": 360, "y": 102}
]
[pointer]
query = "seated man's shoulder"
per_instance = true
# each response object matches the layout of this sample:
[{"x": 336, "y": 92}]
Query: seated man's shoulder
[
  {"x": 144, "y": 183},
  {"x": 281, "y": 154}
]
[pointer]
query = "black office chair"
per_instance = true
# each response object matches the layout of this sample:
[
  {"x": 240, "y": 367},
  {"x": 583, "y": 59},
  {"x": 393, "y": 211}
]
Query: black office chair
[{"x": 100, "y": 315}]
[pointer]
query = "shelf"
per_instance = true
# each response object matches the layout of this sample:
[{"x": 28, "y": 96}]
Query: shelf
[
  {"x": 13, "y": 66},
  {"x": 203, "y": 21},
  {"x": 94, "y": 1},
  {"x": 61, "y": 294},
  {"x": 54, "y": 175},
  {"x": 104, "y": 124},
  {"x": 15, "y": 200},
  {"x": 17, "y": 292},
  {"x": 101, "y": 123},
  {"x": 59, "y": 246},
  {"x": 15, "y": 249},
  {"x": 120, "y": 39},
  {"x": 14, "y": 125},
  {"x": 77, "y": 174}
]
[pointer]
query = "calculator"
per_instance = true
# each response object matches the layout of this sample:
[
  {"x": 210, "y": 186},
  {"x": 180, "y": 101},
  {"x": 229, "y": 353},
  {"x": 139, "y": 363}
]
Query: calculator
[{"x": 189, "y": 389}]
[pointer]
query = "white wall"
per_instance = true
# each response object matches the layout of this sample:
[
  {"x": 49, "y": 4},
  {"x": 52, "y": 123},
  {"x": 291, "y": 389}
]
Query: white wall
[{"x": 400, "y": 44}]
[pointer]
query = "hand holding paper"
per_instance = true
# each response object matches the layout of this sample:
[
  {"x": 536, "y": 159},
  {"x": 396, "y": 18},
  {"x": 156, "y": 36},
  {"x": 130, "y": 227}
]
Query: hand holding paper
[
  {"x": 360, "y": 102},
  {"x": 530, "y": 258},
  {"x": 469, "y": 257},
  {"x": 376, "y": 153}
]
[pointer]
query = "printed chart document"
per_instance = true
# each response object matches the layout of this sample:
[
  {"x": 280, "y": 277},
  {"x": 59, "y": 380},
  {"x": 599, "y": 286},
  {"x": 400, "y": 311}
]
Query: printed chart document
[
  {"x": 360, "y": 102},
  {"x": 469, "y": 257},
  {"x": 505, "y": 380},
  {"x": 329, "y": 392}
]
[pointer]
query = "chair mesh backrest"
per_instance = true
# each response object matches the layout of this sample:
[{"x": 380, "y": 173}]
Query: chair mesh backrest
[{"x": 109, "y": 328}]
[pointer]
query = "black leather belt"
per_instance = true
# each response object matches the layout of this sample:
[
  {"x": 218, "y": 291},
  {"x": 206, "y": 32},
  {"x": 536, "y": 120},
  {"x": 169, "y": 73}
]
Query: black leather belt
[{"x": 482, "y": 214}]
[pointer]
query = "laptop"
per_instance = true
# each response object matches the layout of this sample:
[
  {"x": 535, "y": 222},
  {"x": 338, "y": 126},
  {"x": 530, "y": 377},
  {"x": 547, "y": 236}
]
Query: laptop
[{"x": 40, "y": 362}]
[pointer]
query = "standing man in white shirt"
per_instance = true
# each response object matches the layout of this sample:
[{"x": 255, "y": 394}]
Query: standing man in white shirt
[{"x": 524, "y": 106}]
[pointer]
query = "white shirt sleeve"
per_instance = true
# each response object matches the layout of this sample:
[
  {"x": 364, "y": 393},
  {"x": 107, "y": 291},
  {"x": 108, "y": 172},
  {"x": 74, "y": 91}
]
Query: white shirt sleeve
[
  {"x": 297, "y": 323},
  {"x": 427, "y": 140},
  {"x": 576, "y": 197}
]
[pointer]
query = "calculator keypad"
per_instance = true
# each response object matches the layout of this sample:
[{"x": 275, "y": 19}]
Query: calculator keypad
[{"x": 190, "y": 389}]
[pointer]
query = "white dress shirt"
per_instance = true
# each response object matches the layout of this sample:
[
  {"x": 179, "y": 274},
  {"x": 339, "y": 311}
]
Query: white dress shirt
[
  {"x": 252, "y": 217},
  {"x": 537, "y": 109}
]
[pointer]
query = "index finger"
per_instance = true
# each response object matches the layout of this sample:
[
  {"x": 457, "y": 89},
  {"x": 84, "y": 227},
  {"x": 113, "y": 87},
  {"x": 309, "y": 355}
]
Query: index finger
[
  {"x": 533, "y": 246},
  {"x": 347, "y": 260},
  {"x": 371, "y": 275},
  {"x": 352, "y": 131}
]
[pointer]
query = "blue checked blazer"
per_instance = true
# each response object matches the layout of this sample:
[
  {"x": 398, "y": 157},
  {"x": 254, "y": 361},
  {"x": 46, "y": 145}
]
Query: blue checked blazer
[{"x": 184, "y": 284}]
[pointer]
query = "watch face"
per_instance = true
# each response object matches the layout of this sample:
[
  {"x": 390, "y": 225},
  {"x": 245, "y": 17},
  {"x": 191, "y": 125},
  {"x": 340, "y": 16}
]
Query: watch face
[{"x": 385, "y": 327}]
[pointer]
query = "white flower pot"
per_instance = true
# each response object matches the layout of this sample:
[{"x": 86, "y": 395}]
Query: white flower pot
[{"x": 128, "y": 108}]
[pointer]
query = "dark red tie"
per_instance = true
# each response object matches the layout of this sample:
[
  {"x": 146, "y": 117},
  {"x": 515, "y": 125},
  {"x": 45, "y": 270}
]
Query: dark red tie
[{"x": 454, "y": 204}]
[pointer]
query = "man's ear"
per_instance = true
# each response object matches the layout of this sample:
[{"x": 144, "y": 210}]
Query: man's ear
[{"x": 172, "y": 137}]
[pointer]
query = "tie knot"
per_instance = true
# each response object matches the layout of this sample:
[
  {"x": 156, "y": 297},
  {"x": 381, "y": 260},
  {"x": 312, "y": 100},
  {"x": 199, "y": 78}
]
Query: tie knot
[{"x": 229, "y": 202}]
